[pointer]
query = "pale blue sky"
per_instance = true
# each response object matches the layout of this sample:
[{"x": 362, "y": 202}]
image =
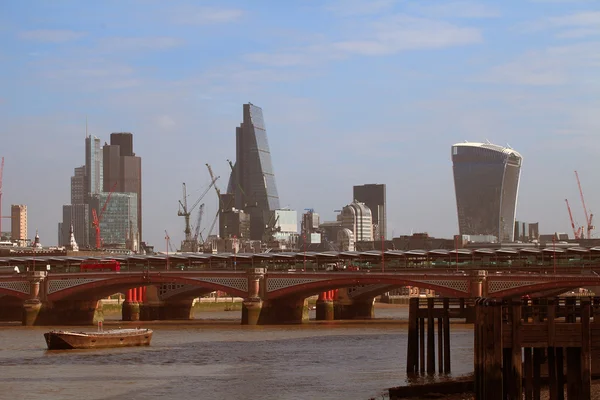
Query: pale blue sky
[{"x": 352, "y": 91}]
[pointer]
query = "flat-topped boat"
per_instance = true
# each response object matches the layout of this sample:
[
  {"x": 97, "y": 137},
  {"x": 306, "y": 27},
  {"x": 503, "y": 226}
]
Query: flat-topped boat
[{"x": 64, "y": 340}]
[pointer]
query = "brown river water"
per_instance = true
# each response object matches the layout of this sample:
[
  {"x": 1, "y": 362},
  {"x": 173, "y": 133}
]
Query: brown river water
[{"x": 214, "y": 357}]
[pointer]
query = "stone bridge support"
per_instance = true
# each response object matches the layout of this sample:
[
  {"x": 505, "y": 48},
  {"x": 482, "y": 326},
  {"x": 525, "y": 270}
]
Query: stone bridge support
[
  {"x": 348, "y": 308},
  {"x": 324, "y": 306},
  {"x": 253, "y": 304},
  {"x": 33, "y": 306}
]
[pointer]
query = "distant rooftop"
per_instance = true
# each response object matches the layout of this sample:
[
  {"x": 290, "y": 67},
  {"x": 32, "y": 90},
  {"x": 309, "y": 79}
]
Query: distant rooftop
[{"x": 490, "y": 146}]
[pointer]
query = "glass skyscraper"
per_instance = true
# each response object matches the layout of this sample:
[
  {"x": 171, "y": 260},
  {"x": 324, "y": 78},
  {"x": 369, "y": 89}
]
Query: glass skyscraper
[
  {"x": 93, "y": 166},
  {"x": 486, "y": 181},
  {"x": 252, "y": 180}
]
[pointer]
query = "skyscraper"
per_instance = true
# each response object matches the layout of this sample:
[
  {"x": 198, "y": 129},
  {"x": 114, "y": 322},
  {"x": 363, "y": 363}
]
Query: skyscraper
[
  {"x": 122, "y": 167},
  {"x": 18, "y": 223},
  {"x": 373, "y": 195},
  {"x": 252, "y": 179},
  {"x": 486, "y": 181},
  {"x": 93, "y": 166},
  {"x": 78, "y": 189}
]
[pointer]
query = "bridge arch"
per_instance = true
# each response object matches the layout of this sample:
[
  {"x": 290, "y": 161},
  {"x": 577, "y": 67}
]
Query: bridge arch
[
  {"x": 99, "y": 287},
  {"x": 312, "y": 287}
]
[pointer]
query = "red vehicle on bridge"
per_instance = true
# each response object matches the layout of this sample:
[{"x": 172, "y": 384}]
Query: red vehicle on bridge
[{"x": 100, "y": 266}]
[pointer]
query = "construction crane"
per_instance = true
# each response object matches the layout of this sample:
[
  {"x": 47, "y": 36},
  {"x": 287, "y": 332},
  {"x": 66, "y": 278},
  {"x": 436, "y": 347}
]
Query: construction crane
[
  {"x": 198, "y": 223},
  {"x": 212, "y": 176},
  {"x": 185, "y": 212},
  {"x": 97, "y": 218},
  {"x": 576, "y": 231},
  {"x": 588, "y": 218},
  {"x": 169, "y": 244}
]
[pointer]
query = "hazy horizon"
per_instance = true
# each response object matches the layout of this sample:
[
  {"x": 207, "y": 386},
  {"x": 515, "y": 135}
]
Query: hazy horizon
[{"x": 353, "y": 92}]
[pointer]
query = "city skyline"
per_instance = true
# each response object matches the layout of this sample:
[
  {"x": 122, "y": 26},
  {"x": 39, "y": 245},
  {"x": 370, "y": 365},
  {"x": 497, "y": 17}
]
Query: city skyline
[{"x": 346, "y": 106}]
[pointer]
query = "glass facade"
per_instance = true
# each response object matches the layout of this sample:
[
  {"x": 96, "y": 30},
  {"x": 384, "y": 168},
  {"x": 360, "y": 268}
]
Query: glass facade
[
  {"x": 118, "y": 223},
  {"x": 93, "y": 165},
  {"x": 486, "y": 181},
  {"x": 253, "y": 179}
]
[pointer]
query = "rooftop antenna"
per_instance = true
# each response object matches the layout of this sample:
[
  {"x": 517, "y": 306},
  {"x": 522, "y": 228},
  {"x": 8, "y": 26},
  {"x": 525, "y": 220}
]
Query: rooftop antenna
[{"x": 488, "y": 141}]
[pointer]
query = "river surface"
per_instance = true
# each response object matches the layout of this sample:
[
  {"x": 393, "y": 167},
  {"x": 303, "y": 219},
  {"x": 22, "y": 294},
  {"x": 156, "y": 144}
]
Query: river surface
[{"x": 214, "y": 357}]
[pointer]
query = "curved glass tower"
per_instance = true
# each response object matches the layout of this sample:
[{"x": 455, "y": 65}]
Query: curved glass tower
[
  {"x": 252, "y": 179},
  {"x": 486, "y": 181}
]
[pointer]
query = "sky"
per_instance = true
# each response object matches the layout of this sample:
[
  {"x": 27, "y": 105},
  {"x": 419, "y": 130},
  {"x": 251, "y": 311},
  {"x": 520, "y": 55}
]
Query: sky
[{"x": 352, "y": 91}]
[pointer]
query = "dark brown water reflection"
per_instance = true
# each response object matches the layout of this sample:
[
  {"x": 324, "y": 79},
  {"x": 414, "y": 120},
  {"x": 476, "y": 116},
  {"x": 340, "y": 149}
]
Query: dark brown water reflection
[{"x": 213, "y": 357}]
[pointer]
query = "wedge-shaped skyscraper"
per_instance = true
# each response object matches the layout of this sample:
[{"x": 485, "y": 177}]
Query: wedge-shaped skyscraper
[
  {"x": 486, "y": 180},
  {"x": 252, "y": 179}
]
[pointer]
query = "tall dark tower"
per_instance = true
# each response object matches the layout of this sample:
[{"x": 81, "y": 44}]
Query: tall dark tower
[
  {"x": 486, "y": 180},
  {"x": 373, "y": 195},
  {"x": 252, "y": 179},
  {"x": 122, "y": 166}
]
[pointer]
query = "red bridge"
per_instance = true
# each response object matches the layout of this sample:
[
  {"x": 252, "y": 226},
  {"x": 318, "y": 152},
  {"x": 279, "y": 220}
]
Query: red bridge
[{"x": 42, "y": 297}]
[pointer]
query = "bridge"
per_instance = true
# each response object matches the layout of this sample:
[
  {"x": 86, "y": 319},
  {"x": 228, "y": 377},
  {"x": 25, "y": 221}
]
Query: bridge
[{"x": 270, "y": 296}]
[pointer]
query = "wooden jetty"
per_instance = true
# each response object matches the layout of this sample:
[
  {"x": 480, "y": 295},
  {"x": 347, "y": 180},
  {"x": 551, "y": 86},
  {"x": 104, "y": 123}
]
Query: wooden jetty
[
  {"x": 424, "y": 312},
  {"x": 519, "y": 345},
  {"x": 514, "y": 340}
]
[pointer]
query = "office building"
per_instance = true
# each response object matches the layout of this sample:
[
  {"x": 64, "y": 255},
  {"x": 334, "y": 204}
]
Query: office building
[
  {"x": 118, "y": 222},
  {"x": 78, "y": 189},
  {"x": 252, "y": 179},
  {"x": 76, "y": 216},
  {"x": 373, "y": 195},
  {"x": 486, "y": 181},
  {"x": 122, "y": 171},
  {"x": 93, "y": 166},
  {"x": 357, "y": 218},
  {"x": 18, "y": 224},
  {"x": 234, "y": 223}
]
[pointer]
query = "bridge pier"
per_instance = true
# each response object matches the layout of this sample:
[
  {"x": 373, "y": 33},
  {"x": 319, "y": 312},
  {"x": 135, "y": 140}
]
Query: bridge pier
[
  {"x": 324, "y": 307},
  {"x": 279, "y": 311},
  {"x": 33, "y": 306},
  {"x": 358, "y": 309},
  {"x": 130, "y": 310},
  {"x": 151, "y": 309},
  {"x": 345, "y": 307}
]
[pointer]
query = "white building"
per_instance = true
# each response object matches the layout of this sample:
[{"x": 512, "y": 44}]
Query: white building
[{"x": 357, "y": 218}]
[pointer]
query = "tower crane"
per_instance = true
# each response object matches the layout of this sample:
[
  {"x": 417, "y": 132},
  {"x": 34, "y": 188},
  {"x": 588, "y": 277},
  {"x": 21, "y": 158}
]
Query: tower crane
[
  {"x": 198, "y": 223},
  {"x": 97, "y": 218},
  {"x": 576, "y": 231},
  {"x": 185, "y": 212},
  {"x": 212, "y": 226},
  {"x": 588, "y": 218}
]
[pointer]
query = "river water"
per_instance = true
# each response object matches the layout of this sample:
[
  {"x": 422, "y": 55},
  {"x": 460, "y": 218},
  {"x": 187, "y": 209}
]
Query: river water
[{"x": 214, "y": 357}]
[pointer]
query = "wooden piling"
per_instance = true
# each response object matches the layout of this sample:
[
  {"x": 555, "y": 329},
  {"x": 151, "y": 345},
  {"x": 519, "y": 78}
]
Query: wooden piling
[
  {"x": 586, "y": 351},
  {"x": 422, "y": 345},
  {"x": 516, "y": 381},
  {"x": 446, "y": 336},
  {"x": 430, "y": 337},
  {"x": 412, "y": 346},
  {"x": 440, "y": 340}
]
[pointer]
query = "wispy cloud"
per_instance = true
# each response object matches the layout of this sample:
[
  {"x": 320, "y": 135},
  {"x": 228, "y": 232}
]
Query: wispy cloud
[
  {"x": 457, "y": 9},
  {"x": 386, "y": 36},
  {"x": 553, "y": 66},
  {"x": 346, "y": 8},
  {"x": 569, "y": 26},
  {"x": 51, "y": 35},
  {"x": 206, "y": 15},
  {"x": 139, "y": 43},
  {"x": 402, "y": 32}
]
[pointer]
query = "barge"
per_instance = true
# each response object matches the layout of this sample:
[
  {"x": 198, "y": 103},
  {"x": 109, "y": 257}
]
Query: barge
[{"x": 65, "y": 340}]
